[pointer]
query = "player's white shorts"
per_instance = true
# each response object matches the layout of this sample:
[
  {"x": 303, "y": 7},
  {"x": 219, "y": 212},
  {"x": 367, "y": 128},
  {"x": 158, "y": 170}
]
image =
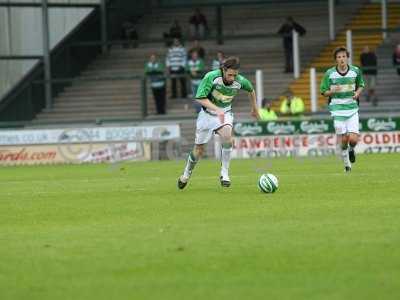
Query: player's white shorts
[
  {"x": 351, "y": 125},
  {"x": 207, "y": 124}
]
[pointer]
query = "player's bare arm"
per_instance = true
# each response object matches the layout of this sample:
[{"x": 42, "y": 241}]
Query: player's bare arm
[
  {"x": 253, "y": 103},
  {"x": 211, "y": 106},
  {"x": 357, "y": 93}
]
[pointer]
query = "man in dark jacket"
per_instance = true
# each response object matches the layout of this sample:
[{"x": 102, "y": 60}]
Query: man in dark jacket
[
  {"x": 369, "y": 64},
  {"x": 286, "y": 31},
  {"x": 396, "y": 58},
  {"x": 198, "y": 25},
  {"x": 175, "y": 32}
]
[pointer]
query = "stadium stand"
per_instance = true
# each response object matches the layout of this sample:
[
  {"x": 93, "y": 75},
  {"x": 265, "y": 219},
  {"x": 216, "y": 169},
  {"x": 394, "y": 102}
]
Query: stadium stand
[
  {"x": 254, "y": 41},
  {"x": 362, "y": 25},
  {"x": 388, "y": 80}
]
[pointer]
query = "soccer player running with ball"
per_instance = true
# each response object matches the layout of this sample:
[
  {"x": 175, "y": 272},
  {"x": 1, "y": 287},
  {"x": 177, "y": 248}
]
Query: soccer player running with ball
[
  {"x": 343, "y": 85},
  {"x": 215, "y": 94}
]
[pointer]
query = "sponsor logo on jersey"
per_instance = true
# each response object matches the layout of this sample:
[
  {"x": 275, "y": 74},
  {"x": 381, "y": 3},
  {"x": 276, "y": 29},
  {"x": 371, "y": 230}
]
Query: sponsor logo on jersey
[
  {"x": 221, "y": 97},
  {"x": 343, "y": 88}
]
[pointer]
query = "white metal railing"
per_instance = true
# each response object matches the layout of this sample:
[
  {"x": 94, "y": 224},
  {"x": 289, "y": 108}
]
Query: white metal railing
[
  {"x": 259, "y": 87},
  {"x": 313, "y": 90},
  {"x": 296, "y": 54}
]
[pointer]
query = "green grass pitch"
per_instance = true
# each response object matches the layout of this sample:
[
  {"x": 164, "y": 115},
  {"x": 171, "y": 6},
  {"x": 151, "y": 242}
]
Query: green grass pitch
[{"x": 126, "y": 232}]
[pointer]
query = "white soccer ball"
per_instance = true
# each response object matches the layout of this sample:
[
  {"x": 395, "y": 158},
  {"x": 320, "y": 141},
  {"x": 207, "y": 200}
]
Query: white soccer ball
[{"x": 268, "y": 183}]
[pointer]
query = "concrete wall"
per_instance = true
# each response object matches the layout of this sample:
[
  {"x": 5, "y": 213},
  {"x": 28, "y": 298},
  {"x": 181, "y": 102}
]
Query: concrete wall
[{"x": 21, "y": 34}]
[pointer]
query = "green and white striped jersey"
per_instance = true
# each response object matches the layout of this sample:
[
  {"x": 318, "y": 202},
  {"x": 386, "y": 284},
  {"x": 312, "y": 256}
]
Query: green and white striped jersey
[
  {"x": 213, "y": 88},
  {"x": 342, "y": 105}
]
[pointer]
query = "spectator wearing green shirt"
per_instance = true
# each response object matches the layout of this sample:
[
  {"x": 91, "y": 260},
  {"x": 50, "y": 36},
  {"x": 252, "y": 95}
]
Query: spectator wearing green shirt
[
  {"x": 218, "y": 61},
  {"x": 292, "y": 105},
  {"x": 196, "y": 70},
  {"x": 154, "y": 71},
  {"x": 266, "y": 112},
  {"x": 198, "y": 48}
]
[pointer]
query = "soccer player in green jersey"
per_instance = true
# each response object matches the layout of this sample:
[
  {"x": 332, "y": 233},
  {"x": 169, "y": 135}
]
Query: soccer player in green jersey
[
  {"x": 215, "y": 94},
  {"x": 343, "y": 85}
]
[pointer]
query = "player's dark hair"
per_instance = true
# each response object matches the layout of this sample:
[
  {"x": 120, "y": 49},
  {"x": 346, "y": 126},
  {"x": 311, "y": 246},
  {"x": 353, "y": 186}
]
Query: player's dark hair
[
  {"x": 340, "y": 49},
  {"x": 231, "y": 62}
]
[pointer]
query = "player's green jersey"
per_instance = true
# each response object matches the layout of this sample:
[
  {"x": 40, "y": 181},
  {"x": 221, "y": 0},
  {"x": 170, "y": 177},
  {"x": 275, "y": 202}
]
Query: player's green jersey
[
  {"x": 213, "y": 88},
  {"x": 342, "y": 105}
]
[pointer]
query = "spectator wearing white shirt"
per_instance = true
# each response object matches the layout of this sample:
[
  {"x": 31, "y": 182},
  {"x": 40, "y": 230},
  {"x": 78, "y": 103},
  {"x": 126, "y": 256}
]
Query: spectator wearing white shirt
[{"x": 176, "y": 63}]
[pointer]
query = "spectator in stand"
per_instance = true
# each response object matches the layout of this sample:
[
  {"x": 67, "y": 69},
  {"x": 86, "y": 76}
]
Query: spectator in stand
[
  {"x": 266, "y": 112},
  {"x": 197, "y": 48},
  {"x": 198, "y": 25},
  {"x": 292, "y": 105},
  {"x": 369, "y": 64},
  {"x": 154, "y": 70},
  {"x": 175, "y": 32},
  {"x": 176, "y": 64},
  {"x": 218, "y": 61},
  {"x": 396, "y": 58},
  {"x": 129, "y": 34},
  {"x": 196, "y": 69},
  {"x": 286, "y": 31}
]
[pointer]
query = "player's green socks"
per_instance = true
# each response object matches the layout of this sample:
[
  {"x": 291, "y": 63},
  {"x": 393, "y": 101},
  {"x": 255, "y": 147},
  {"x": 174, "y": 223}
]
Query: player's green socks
[
  {"x": 226, "y": 151},
  {"x": 190, "y": 164}
]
